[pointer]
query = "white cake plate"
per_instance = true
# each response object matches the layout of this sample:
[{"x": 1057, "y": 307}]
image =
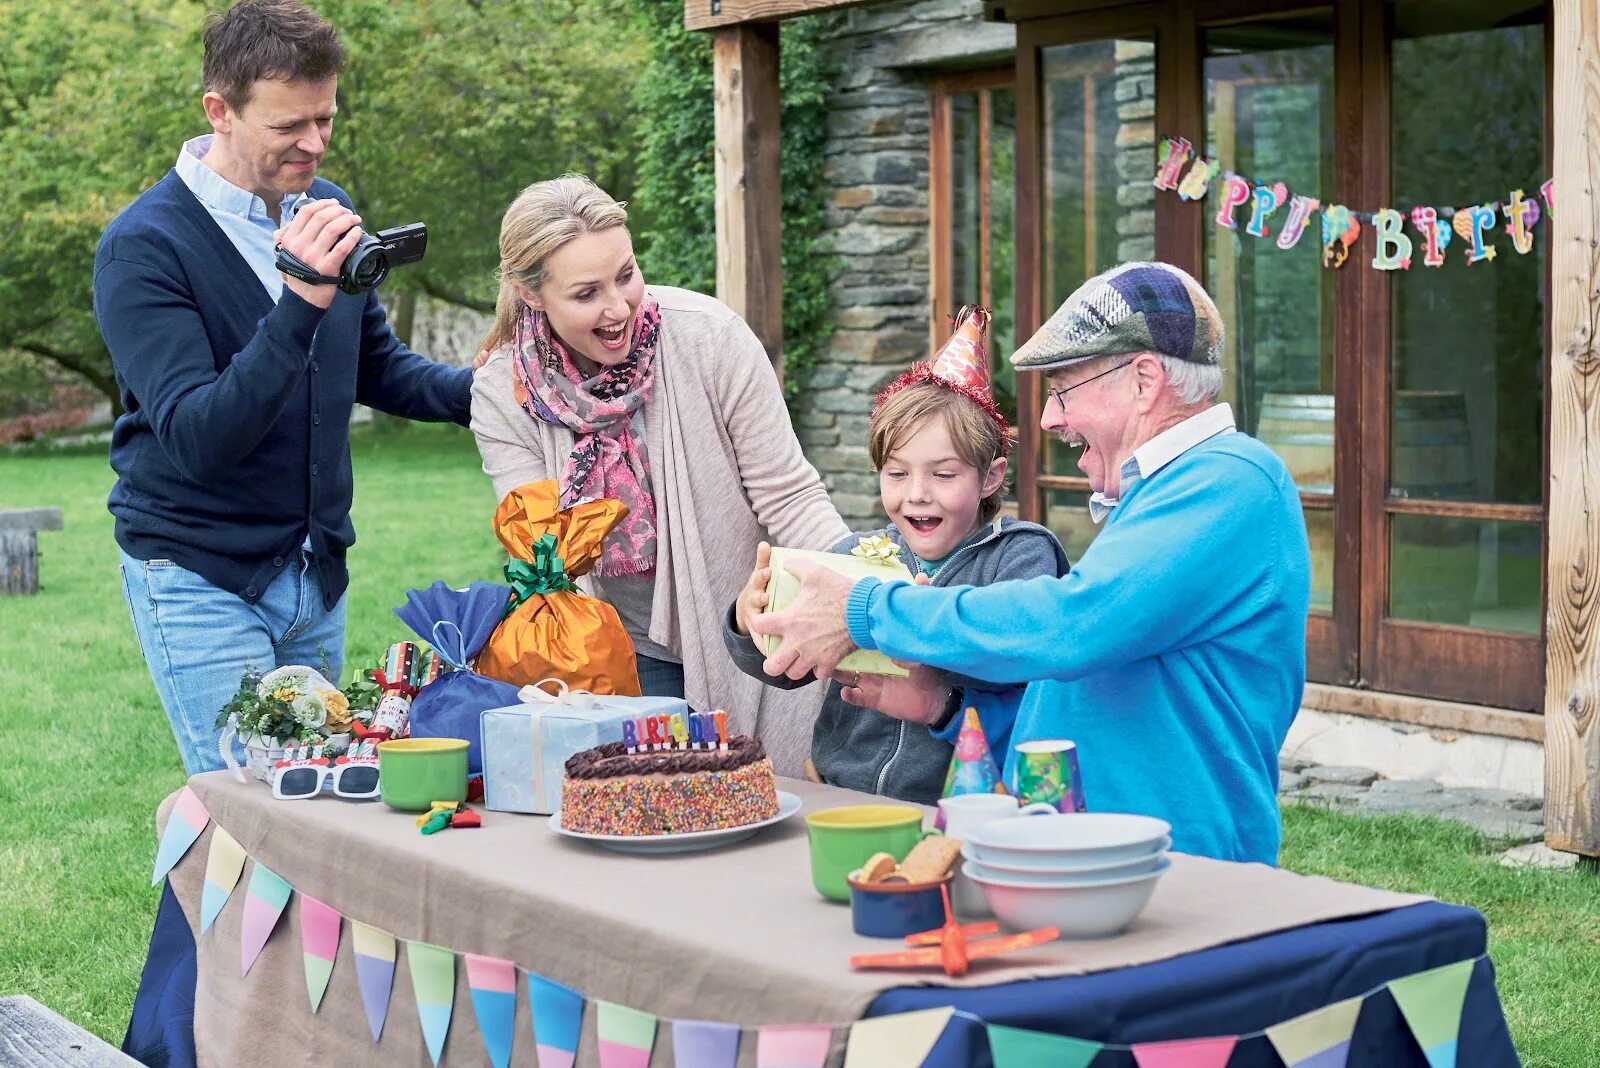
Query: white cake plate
[{"x": 686, "y": 842}]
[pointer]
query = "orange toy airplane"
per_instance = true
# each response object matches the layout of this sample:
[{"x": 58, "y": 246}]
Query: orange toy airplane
[{"x": 949, "y": 946}]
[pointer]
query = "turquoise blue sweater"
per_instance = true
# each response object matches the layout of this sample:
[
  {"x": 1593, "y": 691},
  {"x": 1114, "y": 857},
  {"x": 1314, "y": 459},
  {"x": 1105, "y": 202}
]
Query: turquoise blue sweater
[{"x": 1173, "y": 654}]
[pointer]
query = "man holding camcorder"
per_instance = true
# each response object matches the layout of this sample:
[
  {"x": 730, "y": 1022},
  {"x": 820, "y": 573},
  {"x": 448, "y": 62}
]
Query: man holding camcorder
[{"x": 236, "y": 298}]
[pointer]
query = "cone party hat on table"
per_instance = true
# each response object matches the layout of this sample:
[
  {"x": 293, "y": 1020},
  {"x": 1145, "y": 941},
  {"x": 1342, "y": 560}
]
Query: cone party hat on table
[
  {"x": 972, "y": 767},
  {"x": 961, "y": 365}
]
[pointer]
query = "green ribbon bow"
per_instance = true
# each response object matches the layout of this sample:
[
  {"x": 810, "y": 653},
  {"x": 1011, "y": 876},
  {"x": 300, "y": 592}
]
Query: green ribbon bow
[{"x": 546, "y": 574}]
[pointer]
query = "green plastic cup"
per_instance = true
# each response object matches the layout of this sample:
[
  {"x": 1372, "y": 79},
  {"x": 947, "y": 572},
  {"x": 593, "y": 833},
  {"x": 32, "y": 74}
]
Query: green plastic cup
[{"x": 413, "y": 773}]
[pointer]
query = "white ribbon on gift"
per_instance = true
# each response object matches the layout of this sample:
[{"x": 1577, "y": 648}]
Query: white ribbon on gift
[{"x": 565, "y": 697}]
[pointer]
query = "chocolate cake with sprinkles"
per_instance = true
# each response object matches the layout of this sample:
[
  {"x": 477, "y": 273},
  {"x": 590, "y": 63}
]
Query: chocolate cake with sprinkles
[{"x": 608, "y": 790}]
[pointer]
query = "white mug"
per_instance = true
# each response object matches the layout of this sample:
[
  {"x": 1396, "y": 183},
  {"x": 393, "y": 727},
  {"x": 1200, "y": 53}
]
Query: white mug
[{"x": 962, "y": 813}]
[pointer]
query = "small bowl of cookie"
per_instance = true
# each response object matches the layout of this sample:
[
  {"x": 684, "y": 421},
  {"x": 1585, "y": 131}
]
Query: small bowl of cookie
[{"x": 890, "y": 899}]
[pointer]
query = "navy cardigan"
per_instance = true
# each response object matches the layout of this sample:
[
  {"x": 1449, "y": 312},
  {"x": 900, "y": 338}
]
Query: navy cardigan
[{"x": 235, "y": 442}]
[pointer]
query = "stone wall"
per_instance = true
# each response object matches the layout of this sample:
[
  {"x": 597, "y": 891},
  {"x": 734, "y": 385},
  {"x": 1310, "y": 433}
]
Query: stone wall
[{"x": 877, "y": 173}]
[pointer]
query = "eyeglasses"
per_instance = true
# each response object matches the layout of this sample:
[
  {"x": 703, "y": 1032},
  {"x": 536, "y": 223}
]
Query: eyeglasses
[
  {"x": 354, "y": 777},
  {"x": 1061, "y": 394}
]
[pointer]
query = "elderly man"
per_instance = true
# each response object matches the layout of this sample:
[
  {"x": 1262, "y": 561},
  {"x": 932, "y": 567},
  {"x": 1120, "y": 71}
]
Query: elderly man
[{"x": 1173, "y": 654}]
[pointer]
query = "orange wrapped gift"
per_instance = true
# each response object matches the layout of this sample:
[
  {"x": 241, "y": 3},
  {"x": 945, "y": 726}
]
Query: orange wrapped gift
[{"x": 551, "y": 629}]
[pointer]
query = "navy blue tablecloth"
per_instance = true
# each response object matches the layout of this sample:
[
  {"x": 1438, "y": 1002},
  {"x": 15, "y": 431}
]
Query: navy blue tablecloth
[
  {"x": 1232, "y": 989},
  {"x": 1244, "y": 987}
]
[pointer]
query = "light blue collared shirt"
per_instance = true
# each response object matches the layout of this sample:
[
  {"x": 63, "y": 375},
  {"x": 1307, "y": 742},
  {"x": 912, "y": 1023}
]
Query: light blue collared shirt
[
  {"x": 240, "y": 213},
  {"x": 1161, "y": 450}
]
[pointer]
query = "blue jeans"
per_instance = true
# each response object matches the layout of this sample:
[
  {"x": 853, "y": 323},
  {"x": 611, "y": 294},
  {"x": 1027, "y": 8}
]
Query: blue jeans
[
  {"x": 659, "y": 678},
  {"x": 198, "y": 640}
]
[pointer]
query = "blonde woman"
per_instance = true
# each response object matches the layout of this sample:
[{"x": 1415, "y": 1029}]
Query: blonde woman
[{"x": 665, "y": 400}]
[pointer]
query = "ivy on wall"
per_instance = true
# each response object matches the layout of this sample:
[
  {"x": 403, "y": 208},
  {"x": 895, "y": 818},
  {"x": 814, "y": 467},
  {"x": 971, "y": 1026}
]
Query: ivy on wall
[{"x": 675, "y": 194}]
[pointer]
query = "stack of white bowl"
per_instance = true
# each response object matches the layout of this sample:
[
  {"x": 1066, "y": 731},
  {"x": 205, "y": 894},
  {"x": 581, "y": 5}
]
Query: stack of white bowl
[{"x": 1088, "y": 873}]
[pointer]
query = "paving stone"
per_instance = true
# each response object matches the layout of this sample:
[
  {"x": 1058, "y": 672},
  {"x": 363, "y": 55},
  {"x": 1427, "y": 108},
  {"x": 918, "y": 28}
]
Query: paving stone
[
  {"x": 1385, "y": 804},
  {"x": 1500, "y": 824},
  {"x": 1337, "y": 793},
  {"x": 1479, "y": 795},
  {"x": 1341, "y": 775},
  {"x": 1537, "y": 855},
  {"x": 1294, "y": 764},
  {"x": 1406, "y": 787},
  {"x": 1289, "y": 782}
]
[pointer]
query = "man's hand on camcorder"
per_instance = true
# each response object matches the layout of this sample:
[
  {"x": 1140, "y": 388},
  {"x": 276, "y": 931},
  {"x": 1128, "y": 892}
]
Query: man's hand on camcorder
[{"x": 320, "y": 235}]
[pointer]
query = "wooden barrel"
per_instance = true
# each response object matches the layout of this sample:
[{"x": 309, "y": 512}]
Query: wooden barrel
[
  {"x": 1433, "y": 560},
  {"x": 1299, "y": 428}
]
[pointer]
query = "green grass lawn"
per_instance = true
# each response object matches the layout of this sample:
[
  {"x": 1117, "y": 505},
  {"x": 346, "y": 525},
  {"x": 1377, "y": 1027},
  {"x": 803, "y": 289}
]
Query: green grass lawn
[{"x": 88, "y": 755}]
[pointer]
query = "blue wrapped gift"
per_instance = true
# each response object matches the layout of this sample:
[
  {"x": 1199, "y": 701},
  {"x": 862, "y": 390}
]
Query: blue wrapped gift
[{"x": 526, "y": 746}]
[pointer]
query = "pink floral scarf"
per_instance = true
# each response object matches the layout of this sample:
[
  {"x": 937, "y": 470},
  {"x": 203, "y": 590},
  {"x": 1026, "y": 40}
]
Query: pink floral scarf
[{"x": 609, "y": 459}]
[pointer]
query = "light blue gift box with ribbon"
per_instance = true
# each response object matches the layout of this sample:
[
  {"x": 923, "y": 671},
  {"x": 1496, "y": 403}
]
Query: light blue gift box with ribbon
[{"x": 526, "y": 746}]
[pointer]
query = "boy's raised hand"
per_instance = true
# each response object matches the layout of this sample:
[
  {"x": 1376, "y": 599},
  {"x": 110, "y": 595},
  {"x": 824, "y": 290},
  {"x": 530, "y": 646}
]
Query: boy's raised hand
[{"x": 753, "y": 598}]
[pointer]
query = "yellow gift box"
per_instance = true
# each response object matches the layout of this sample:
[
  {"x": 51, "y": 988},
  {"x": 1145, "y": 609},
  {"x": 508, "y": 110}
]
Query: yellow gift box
[{"x": 876, "y": 558}]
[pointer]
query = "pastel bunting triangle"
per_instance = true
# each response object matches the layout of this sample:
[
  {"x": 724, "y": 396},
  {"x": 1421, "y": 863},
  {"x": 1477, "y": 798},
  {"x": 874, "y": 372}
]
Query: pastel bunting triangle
[
  {"x": 374, "y": 952},
  {"x": 1015, "y": 1047},
  {"x": 900, "y": 1040},
  {"x": 1319, "y": 1039},
  {"x": 264, "y": 901},
  {"x": 224, "y": 865},
  {"x": 557, "y": 1015},
  {"x": 319, "y": 944},
  {"x": 793, "y": 1046},
  {"x": 1431, "y": 1002},
  {"x": 626, "y": 1035},
  {"x": 704, "y": 1044},
  {"x": 1187, "y": 1053},
  {"x": 492, "y": 983},
  {"x": 184, "y": 824},
  {"x": 433, "y": 981}
]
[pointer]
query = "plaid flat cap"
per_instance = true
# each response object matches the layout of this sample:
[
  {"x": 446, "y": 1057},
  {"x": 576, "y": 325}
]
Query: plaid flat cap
[{"x": 1137, "y": 307}]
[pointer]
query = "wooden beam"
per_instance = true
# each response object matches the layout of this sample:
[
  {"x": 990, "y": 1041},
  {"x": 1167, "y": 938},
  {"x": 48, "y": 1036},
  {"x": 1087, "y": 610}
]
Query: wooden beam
[
  {"x": 749, "y": 186},
  {"x": 1425, "y": 712},
  {"x": 1572, "y": 652},
  {"x": 715, "y": 14}
]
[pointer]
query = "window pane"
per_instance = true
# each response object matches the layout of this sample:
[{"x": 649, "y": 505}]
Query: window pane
[
  {"x": 1003, "y": 246},
  {"x": 1319, "y": 530},
  {"x": 1099, "y": 129},
  {"x": 1469, "y": 572},
  {"x": 1067, "y": 513},
  {"x": 976, "y": 278},
  {"x": 1468, "y": 339},
  {"x": 965, "y": 282},
  {"x": 1099, "y": 144},
  {"x": 1269, "y": 116}
]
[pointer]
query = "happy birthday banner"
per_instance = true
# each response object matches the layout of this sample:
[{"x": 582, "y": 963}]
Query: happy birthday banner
[
  {"x": 1430, "y": 1001},
  {"x": 1341, "y": 226}
]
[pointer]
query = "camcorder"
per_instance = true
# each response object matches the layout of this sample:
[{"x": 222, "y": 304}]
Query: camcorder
[{"x": 368, "y": 263}]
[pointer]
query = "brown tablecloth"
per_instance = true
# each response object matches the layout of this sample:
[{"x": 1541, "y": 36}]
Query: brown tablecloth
[{"x": 736, "y": 934}]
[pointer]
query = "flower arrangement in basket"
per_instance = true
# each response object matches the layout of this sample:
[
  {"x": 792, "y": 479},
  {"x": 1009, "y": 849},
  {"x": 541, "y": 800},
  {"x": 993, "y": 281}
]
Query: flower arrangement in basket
[{"x": 286, "y": 705}]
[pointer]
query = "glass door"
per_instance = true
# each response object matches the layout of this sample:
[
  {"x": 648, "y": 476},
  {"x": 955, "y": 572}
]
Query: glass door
[
  {"x": 1270, "y": 117},
  {"x": 1459, "y": 612}
]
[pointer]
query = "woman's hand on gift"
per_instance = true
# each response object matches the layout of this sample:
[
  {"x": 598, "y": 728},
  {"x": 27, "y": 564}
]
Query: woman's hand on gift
[
  {"x": 919, "y": 698},
  {"x": 753, "y": 598}
]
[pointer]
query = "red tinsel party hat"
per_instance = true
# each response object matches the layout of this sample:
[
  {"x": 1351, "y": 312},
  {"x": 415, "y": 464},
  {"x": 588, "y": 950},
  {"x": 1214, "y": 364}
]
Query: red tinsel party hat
[{"x": 962, "y": 365}]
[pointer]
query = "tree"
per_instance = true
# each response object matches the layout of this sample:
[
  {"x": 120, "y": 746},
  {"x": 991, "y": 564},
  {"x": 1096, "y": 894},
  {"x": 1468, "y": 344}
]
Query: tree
[{"x": 446, "y": 111}]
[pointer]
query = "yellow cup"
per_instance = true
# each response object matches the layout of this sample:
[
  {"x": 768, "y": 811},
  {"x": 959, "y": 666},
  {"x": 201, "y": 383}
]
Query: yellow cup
[{"x": 843, "y": 838}]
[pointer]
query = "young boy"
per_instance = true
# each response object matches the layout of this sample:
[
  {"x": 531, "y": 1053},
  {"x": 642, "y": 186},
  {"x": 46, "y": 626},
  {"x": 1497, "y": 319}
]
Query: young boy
[{"x": 939, "y": 445}]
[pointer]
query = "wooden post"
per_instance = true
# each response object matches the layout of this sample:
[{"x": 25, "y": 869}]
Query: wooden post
[
  {"x": 748, "y": 183},
  {"x": 1572, "y": 676},
  {"x": 19, "y": 547}
]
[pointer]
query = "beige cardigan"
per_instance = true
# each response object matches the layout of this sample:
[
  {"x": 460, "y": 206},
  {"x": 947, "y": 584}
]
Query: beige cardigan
[{"x": 726, "y": 471}]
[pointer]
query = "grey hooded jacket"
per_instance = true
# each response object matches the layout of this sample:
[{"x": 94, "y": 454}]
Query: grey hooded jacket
[{"x": 863, "y": 749}]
